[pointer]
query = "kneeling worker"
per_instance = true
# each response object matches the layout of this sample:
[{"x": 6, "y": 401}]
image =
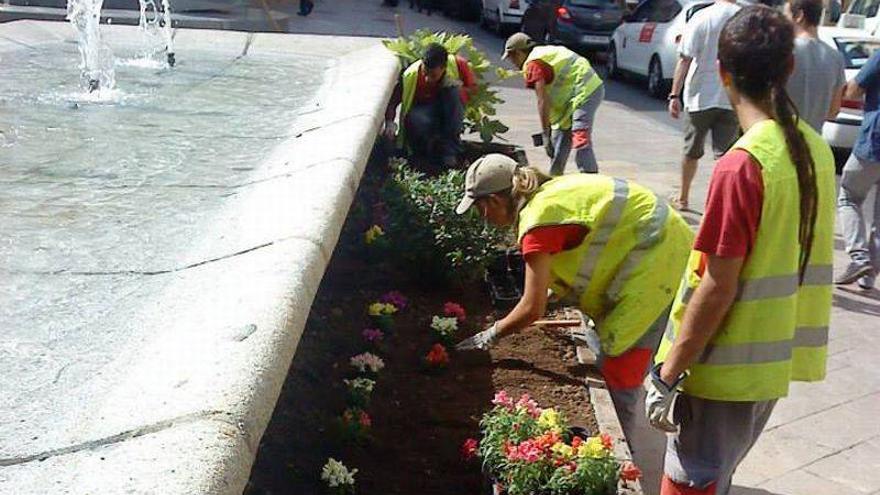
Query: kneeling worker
[
  {"x": 608, "y": 246},
  {"x": 431, "y": 94},
  {"x": 569, "y": 92}
]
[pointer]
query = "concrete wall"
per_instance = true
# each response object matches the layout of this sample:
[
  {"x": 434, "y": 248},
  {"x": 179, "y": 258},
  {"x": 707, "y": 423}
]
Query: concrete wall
[{"x": 181, "y": 410}]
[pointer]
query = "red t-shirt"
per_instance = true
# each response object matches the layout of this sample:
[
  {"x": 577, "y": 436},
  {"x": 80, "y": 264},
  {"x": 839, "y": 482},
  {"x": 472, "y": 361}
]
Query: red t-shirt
[
  {"x": 552, "y": 239},
  {"x": 538, "y": 70},
  {"x": 427, "y": 92},
  {"x": 733, "y": 207}
]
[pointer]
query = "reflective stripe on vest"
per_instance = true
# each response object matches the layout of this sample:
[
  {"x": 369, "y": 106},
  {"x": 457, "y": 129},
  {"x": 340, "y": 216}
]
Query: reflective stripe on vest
[
  {"x": 649, "y": 236},
  {"x": 764, "y": 352},
  {"x": 775, "y": 286},
  {"x": 574, "y": 80}
]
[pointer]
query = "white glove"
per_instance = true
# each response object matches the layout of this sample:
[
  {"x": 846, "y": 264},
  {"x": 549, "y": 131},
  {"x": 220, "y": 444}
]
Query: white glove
[
  {"x": 389, "y": 130},
  {"x": 659, "y": 401},
  {"x": 481, "y": 341}
]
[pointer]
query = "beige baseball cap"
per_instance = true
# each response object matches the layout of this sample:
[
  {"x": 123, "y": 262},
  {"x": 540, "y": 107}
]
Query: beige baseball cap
[
  {"x": 517, "y": 41},
  {"x": 487, "y": 175}
]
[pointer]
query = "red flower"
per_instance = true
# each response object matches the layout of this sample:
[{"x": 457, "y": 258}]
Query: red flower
[
  {"x": 607, "y": 441},
  {"x": 437, "y": 356},
  {"x": 365, "y": 420},
  {"x": 629, "y": 471},
  {"x": 576, "y": 442},
  {"x": 469, "y": 449},
  {"x": 454, "y": 309}
]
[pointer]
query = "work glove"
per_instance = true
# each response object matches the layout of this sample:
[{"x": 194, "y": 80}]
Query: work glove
[
  {"x": 548, "y": 144},
  {"x": 481, "y": 341},
  {"x": 389, "y": 130},
  {"x": 658, "y": 403}
]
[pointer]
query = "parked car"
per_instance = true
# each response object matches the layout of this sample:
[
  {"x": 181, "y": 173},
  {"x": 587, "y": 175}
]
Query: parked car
[
  {"x": 856, "y": 47},
  {"x": 646, "y": 44},
  {"x": 587, "y": 24},
  {"x": 861, "y": 14},
  {"x": 539, "y": 19},
  {"x": 502, "y": 15}
]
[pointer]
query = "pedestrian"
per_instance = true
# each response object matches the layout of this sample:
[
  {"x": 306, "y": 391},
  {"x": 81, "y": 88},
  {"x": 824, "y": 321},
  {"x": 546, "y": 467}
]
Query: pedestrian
[
  {"x": 706, "y": 107},
  {"x": 431, "y": 94},
  {"x": 753, "y": 310},
  {"x": 606, "y": 245},
  {"x": 816, "y": 85},
  {"x": 860, "y": 174},
  {"x": 569, "y": 92},
  {"x": 305, "y": 7}
]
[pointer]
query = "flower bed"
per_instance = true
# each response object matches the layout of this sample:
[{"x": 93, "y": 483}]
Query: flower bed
[{"x": 406, "y": 431}]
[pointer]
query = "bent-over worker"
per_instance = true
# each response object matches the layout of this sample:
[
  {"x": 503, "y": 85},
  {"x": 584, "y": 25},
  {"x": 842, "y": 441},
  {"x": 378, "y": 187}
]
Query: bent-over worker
[{"x": 608, "y": 246}]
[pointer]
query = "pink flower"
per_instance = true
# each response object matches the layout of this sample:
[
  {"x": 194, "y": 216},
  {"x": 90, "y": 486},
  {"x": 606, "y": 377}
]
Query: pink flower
[
  {"x": 364, "y": 419},
  {"x": 469, "y": 449},
  {"x": 372, "y": 334},
  {"x": 607, "y": 441},
  {"x": 529, "y": 405},
  {"x": 629, "y": 471},
  {"x": 502, "y": 399},
  {"x": 528, "y": 451},
  {"x": 453, "y": 309},
  {"x": 394, "y": 298}
]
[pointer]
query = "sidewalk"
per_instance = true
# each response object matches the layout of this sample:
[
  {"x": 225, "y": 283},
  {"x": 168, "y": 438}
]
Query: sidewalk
[{"x": 824, "y": 438}]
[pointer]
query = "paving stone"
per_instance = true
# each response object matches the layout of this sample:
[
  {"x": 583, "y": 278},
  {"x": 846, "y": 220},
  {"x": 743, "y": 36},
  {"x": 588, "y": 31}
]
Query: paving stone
[
  {"x": 776, "y": 453},
  {"x": 839, "y": 427},
  {"x": 801, "y": 482},
  {"x": 858, "y": 467}
]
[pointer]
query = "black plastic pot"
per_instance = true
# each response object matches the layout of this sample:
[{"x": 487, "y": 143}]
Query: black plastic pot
[{"x": 505, "y": 278}]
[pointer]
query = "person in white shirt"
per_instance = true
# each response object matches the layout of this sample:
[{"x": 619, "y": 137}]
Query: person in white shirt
[{"x": 705, "y": 104}]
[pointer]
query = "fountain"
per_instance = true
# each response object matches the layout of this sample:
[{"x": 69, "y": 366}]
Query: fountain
[{"x": 162, "y": 239}]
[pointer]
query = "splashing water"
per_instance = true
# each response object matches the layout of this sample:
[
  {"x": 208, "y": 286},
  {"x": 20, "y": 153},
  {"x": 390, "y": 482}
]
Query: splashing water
[
  {"x": 155, "y": 26},
  {"x": 96, "y": 63}
]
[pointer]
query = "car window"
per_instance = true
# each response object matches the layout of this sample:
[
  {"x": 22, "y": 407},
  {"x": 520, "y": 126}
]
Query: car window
[
  {"x": 664, "y": 11},
  {"x": 856, "y": 52},
  {"x": 693, "y": 10},
  {"x": 643, "y": 11},
  {"x": 867, "y": 8},
  {"x": 594, "y": 3}
]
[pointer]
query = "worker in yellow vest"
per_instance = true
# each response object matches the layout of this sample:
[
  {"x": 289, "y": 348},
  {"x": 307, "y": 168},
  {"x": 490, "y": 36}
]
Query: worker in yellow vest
[
  {"x": 608, "y": 246},
  {"x": 569, "y": 92},
  {"x": 753, "y": 309},
  {"x": 431, "y": 95}
]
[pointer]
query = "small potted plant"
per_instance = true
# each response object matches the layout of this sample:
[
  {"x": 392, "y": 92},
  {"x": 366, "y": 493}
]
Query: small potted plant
[
  {"x": 445, "y": 328},
  {"x": 355, "y": 425},
  {"x": 375, "y": 239},
  {"x": 367, "y": 364},
  {"x": 437, "y": 359},
  {"x": 360, "y": 390},
  {"x": 374, "y": 337},
  {"x": 339, "y": 479},
  {"x": 395, "y": 298},
  {"x": 382, "y": 316},
  {"x": 455, "y": 310}
]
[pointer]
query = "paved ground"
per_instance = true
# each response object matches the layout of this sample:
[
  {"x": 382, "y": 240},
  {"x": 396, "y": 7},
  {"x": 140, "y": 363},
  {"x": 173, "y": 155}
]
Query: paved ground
[{"x": 824, "y": 438}]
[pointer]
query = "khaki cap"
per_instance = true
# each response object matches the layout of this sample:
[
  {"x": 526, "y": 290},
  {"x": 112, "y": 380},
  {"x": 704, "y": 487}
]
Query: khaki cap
[
  {"x": 487, "y": 175},
  {"x": 517, "y": 41}
]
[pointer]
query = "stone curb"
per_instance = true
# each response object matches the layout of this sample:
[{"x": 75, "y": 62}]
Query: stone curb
[{"x": 606, "y": 417}]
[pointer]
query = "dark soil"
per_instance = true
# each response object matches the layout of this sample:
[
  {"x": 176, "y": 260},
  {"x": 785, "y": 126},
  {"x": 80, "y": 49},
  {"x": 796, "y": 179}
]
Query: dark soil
[{"x": 419, "y": 419}]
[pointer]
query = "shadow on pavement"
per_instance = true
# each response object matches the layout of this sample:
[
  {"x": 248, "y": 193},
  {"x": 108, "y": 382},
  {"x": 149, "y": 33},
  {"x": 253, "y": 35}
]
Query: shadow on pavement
[
  {"x": 849, "y": 304},
  {"x": 744, "y": 490}
]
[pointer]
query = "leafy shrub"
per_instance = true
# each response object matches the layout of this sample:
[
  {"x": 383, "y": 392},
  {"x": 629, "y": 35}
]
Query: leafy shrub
[
  {"x": 480, "y": 108},
  {"x": 426, "y": 234}
]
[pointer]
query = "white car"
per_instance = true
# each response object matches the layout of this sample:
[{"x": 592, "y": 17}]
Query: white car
[
  {"x": 502, "y": 14},
  {"x": 646, "y": 44},
  {"x": 856, "y": 47}
]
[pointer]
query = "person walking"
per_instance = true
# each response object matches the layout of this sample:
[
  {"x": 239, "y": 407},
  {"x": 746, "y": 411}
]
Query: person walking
[
  {"x": 431, "y": 95},
  {"x": 607, "y": 245},
  {"x": 753, "y": 310},
  {"x": 706, "y": 107},
  {"x": 569, "y": 92},
  {"x": 860, "y": 174},
  {"x": 816, "y": 85}
]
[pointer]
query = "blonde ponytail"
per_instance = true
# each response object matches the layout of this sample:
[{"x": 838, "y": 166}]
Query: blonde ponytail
[{"x": 526, "y": 181}]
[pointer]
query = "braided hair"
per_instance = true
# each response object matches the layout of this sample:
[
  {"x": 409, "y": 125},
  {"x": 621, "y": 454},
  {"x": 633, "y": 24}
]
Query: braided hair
[{"x": 756, "y": 48}]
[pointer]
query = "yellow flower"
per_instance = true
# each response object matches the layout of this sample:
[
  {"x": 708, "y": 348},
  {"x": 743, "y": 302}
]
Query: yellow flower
[
  {"x": 373, "y": 233},
  {"x": 593, "y": 447},
  {"x": 566, "y": 451},
  {"x": 378, "y": 309},
  {"x": 550, "y": 420}
]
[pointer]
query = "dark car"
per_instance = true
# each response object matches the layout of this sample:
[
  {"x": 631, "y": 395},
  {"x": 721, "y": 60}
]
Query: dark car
[{"x": 587, "y": 24}]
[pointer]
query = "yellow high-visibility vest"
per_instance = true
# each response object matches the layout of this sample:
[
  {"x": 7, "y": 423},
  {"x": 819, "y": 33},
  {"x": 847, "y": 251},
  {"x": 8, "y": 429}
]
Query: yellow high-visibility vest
[
  {"x": 625, "y": 272},
  {"x": 574, "y": 80},
  {"x": 777, "y": 329},
  {"x": 411, "y": 81}
]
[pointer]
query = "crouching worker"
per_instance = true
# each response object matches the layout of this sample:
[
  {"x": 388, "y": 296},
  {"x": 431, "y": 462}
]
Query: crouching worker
[
  {"x": 431, "y": 94},
  {"x": 608, "y": 246},
  {"x": 569, "y": 92}
]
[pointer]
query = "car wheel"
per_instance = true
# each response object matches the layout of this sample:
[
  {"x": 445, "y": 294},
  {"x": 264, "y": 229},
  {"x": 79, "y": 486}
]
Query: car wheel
[
  {"x": 613, "y": 68},
  {"x": 656, "y": 84}
]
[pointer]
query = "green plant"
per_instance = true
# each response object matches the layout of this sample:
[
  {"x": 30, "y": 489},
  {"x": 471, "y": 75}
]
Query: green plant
[
  {"x": 480, "y": 108},
  {"x": 426, "y": 234},
  {"x": 360, "y": 390}
]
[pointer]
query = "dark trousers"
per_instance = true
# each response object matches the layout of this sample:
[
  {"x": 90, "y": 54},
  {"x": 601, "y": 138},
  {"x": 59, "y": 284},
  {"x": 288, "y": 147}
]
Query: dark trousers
[
  {"x": 434, "y": 129},
  {"x": 306, "y": 6}
]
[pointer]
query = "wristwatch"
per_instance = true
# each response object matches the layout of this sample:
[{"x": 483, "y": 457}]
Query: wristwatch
[{"x": 672, "y": 96}]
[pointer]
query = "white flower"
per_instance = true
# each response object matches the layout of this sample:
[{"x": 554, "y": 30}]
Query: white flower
[
  {"x": 364, "y": 384},
  {"x": 444, "y": 326},
  {"x": 336, "y": 474},
  {"x": 368, "y": 361}
]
